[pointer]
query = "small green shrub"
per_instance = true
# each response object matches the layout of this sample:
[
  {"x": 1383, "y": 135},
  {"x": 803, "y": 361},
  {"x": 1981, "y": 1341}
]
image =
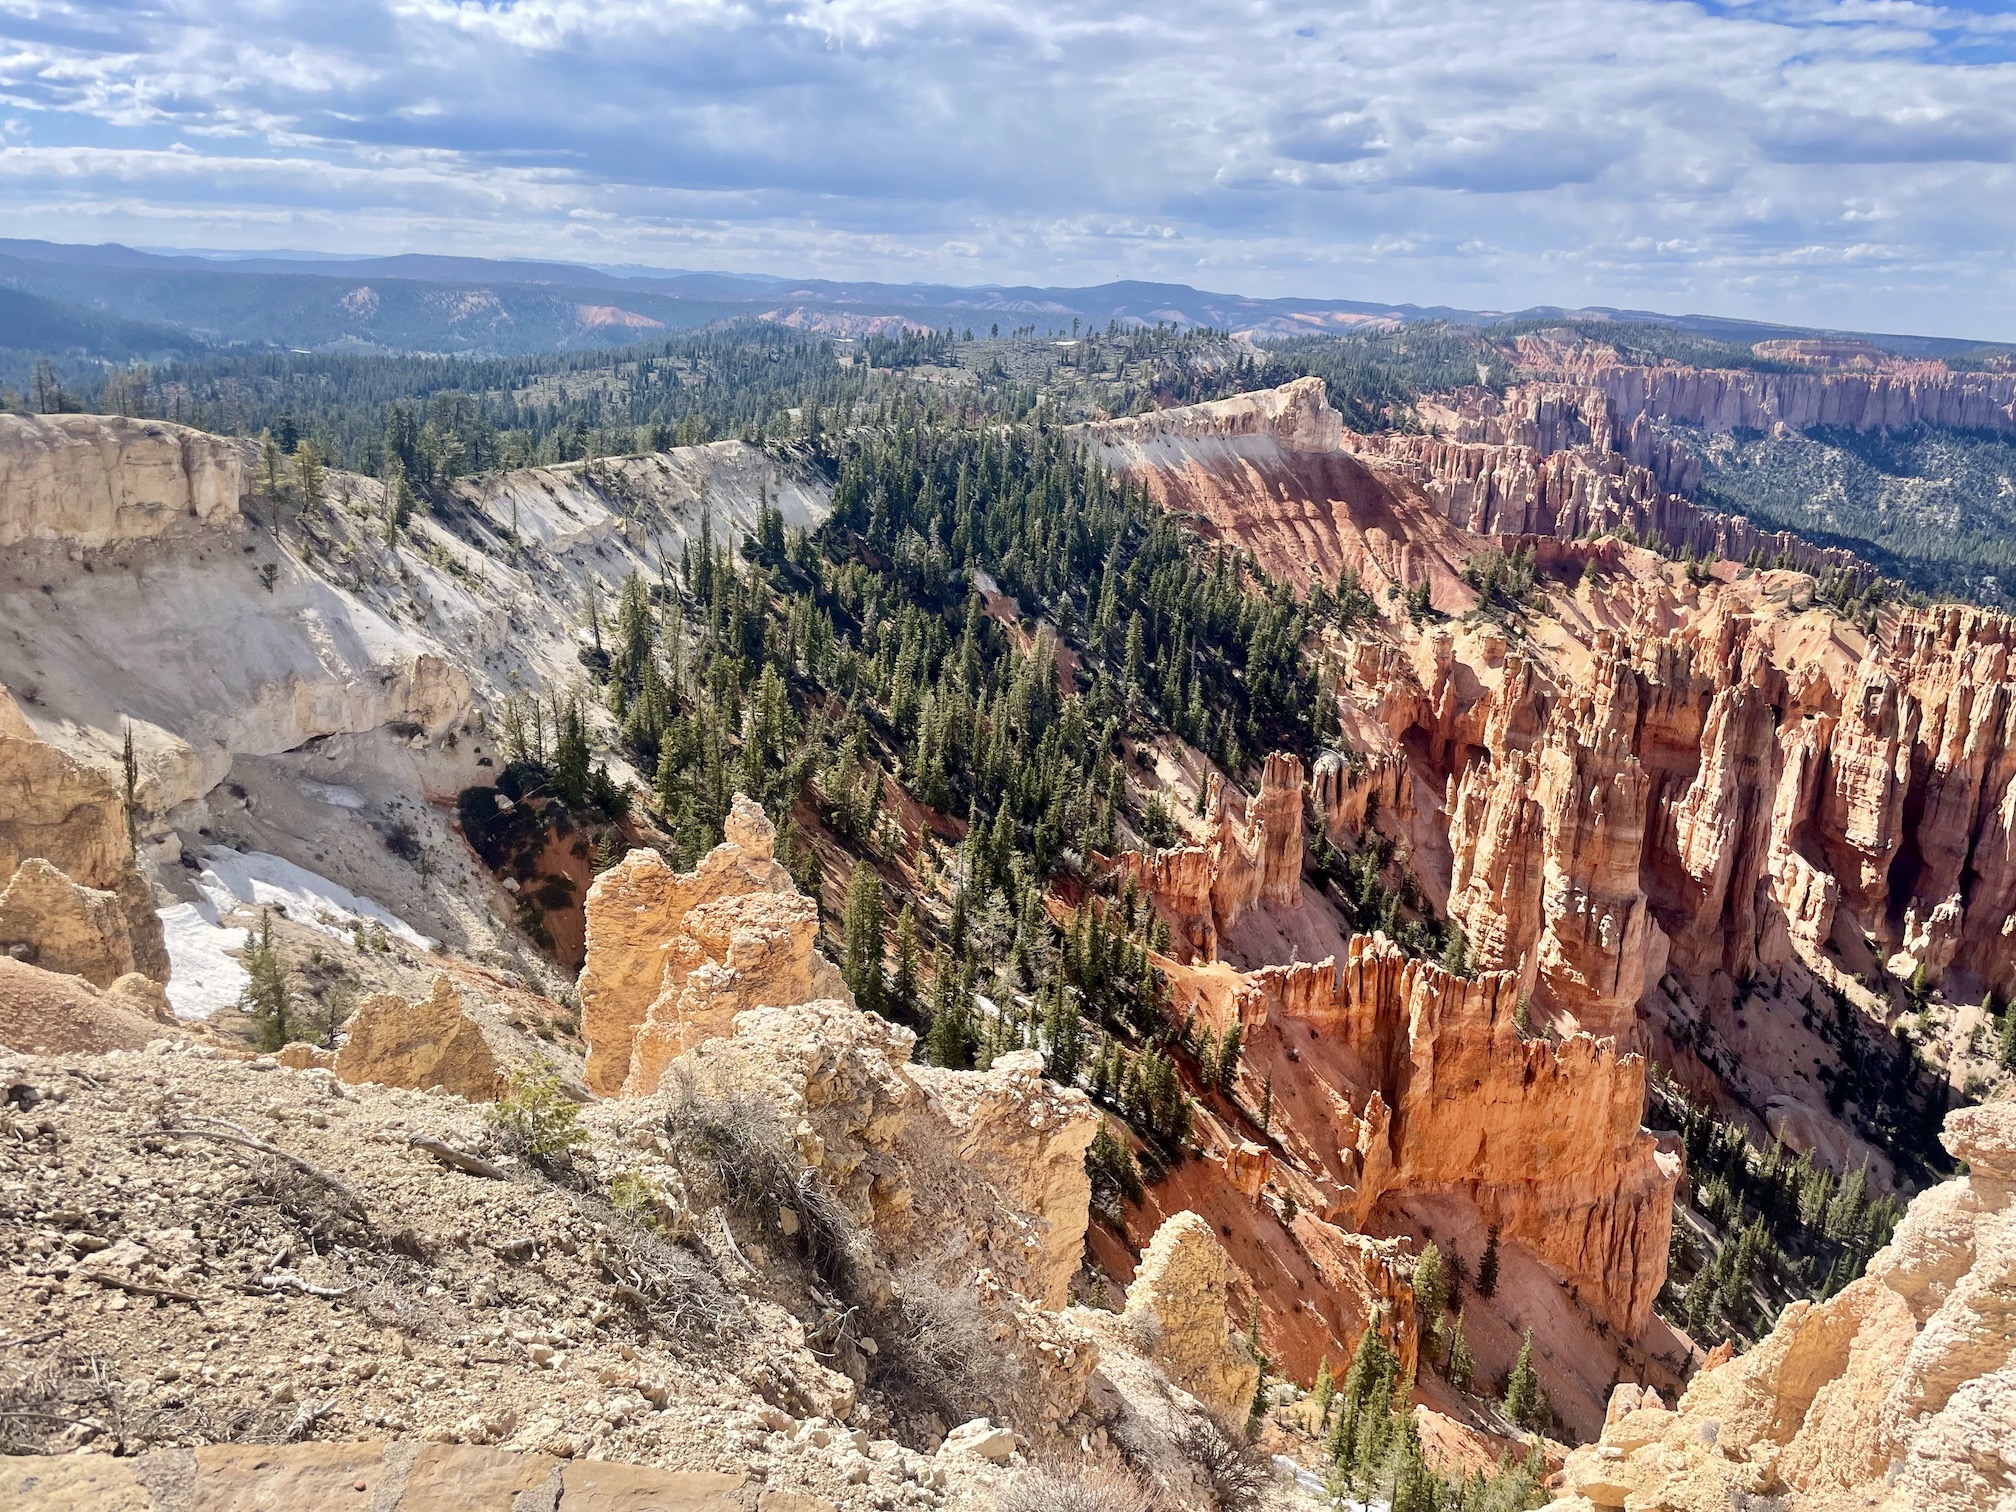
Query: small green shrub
[
  {"x": 637, "y": 1199},
  {"x": 535, "y": 1119}
]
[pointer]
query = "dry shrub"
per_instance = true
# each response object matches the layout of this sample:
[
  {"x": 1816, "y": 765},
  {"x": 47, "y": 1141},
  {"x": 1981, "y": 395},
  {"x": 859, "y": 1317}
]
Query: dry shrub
[
  {"x": 56, "y": 1400},
  {"x": 1075, "y": 1490},
  {"x": 1234, "y": 1472},
  {"x": 754, "y": 1169},
  {"x": 662, "y": 1275},
  {"x": 935, "y": 1355}
]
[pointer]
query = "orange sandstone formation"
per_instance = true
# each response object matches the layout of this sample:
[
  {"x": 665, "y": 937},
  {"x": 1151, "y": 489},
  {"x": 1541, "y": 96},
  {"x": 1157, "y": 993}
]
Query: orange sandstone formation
[
  {"x": 1449, "y": 1097},
  {"x": 673, "y": 957},
  {"x": 1254, "y": 859}
]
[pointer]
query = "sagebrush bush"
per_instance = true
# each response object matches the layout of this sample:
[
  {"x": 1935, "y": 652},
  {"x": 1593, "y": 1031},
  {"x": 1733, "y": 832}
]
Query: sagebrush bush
[
  {"x": 738, "y": 1143},
  {"x": 1094, "y": 1490}
]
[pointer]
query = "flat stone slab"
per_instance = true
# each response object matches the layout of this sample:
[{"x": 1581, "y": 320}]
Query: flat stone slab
[{"x": 360, "y": 1477}]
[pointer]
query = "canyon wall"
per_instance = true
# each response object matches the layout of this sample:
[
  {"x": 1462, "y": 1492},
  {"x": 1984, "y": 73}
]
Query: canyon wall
[
  {"x": 1450, "y": 1097},
  {"x": 1504, "y": 488},
  {"x": 1727, "y": 787},
  {"x": 1736, "y": 399},
  {"x": 92, "y": 480}
]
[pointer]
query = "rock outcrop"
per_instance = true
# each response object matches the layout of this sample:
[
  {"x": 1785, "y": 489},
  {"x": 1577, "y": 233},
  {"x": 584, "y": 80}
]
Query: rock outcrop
[
  {"x": 1898, "y": 1393},
  {"x": 52, "y": 922},
  {"x": 70, "y": 816},
  {"x": 713, "y": 978},
  {"x": 1735, "y": 399},
  {"x": 92, "y": 480},
  {"x": 956, "y": 1171},
  {"x": 673, "y": 957},
  {"x": 1447, "y": 1096},
  {"x": 442, "y": 1041},
  {"x": 1176, "y": 1308},
  {"x": 1253, "y": 859}
]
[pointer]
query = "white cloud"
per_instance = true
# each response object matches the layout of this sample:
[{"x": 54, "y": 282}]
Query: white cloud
[{"x": 1727, "y": 156}]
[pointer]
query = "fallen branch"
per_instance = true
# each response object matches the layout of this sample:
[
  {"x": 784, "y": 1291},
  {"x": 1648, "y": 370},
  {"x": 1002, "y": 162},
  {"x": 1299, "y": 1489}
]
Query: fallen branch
[
  {"x": 734, "y": 1249},
  {"x": 232, "y": 1134},
  {"x": 461, "y": 1160},
  {"x": 304, "y": 1420},
  {"x": 140, "y": 1288},
  {"x": 287, "y": 1280}
]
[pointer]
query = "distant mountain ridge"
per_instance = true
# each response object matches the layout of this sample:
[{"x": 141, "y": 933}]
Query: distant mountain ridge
[{"x": 425, "y": 302}]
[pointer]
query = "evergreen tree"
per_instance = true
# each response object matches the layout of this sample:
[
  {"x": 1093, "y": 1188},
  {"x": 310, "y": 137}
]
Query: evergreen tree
[
  {"x": 268, "y": 996},
  {"x": 861, "y": 931},
  {"x": 1321, "y": 1393},
  {"x": 1431, "y": 1291},
  {"x": 948, "y": 1041},
  {"x": 1487, "y": 1268},
  {"x": 1461, "y": 1365},
  {"x": 1522, "y": 1388},
  {"x": 906, "y": 989}
]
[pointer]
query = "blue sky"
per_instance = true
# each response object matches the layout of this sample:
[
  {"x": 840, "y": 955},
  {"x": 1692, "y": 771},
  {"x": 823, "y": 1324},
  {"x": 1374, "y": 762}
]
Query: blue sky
[{"x": 1850, "y": 162}]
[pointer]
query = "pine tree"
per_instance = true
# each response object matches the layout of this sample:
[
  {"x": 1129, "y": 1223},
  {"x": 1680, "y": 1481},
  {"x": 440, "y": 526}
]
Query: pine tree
[
  {"x": 268, "y": 997},
  {"x": 861, "y": 932},
  {"x": 129, "y": 768},
  {"x": 1522, "y": 1388},
  {"x": 905, "y": 991},
  {"x": 2008, "y": 1045},
  {"x": 1461, "y": 1365},
  {"x": 1431, "y": 1291},
  {"x": 1322, "y": 1392},
  {"x": 398, "y": 501},
  {"x": 308, "y": 472},
  {"x": 1225, "y": 1065},
  {"x": 1487, "y": 1268},
  {"x": 946, "y": 1042}
]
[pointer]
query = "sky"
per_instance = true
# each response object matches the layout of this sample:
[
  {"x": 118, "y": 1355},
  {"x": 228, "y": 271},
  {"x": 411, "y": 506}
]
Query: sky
[{"x": 1836, "y": 162}]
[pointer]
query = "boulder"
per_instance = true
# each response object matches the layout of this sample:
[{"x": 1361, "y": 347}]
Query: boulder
[
  {"x": 446, "y": 1039},
  {"x": 52, "y": 922},
  {"x": 981, "y": 1439}
]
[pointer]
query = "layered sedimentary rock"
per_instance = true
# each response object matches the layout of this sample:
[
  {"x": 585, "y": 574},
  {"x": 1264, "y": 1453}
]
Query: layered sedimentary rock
[
  {"x": 1027, "y": 1138},
  {"x": 673, "y": 957},
  {"x": 956, "y": 1172},
  {"x": 1899, "y": 1393},
  {"x": 1734, "y": 399},
  {"x": 1549, "y": 842},
  {"x": 712, "y": 979},
  {"x": 72, "y": 817},
  {"x": 1253, "y": 859},
  {"x": 91, "y": 480},
  {"x": 1176, "y": 1308},
  {"x": 1543, "y": 1138},
  {"x": 1347, "y": 795},
  {"x": 1499, "y": 489},
  {"x": 1733, "y": 788}
]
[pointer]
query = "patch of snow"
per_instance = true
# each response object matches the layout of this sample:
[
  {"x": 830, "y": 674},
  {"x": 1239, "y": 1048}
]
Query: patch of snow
[
  {"x": 204, "y": 975},
  {"x": 253, "y": 879},
  {"x": 335, "y": 794}
]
